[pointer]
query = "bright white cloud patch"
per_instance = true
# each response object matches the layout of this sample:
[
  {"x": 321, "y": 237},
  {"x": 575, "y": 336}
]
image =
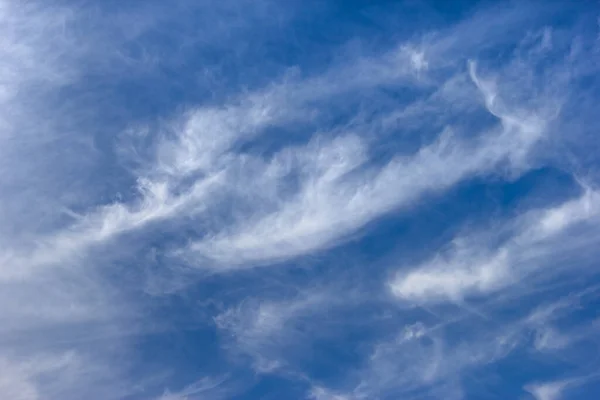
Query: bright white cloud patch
[
  {"x": 258, "y": 200},
  {"x": 547, "y": 391},
  {"x": 465, "y": 272}
]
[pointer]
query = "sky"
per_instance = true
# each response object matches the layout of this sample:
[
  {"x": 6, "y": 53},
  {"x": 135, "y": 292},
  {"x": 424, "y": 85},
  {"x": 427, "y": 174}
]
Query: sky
[{"x": 301, "y": 199}]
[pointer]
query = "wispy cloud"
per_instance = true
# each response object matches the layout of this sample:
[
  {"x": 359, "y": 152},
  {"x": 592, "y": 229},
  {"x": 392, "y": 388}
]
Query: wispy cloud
[
  {"x": 100, "y": 194},
  {"x": 340, "y": 189},
  {"x": 206, "y": 388},
  {"x": 547, "y": 391},
  {"x": 477, "y": 268},
  {"x": 558, "y": 389},
  {"x": 341, "y": 193},
  {"x": 263, "y": 329}
]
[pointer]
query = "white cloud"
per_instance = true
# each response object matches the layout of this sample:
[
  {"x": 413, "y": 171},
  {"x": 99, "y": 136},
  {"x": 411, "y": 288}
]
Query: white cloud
[
  {"x": 472, "y": 267},
  {"x": 262, "y": 329},
  {"x": 201, "y": 143},
  {"x": 319, "y": 393},
  {"x": 205, "y": 388},
  {"x": 60, "y": 331},
  {"x": 54, "y": 375},
  {"x": 464, "y": 274},
  {"x": 554, "y": 220},
  {"x": 430, "y": 363},
  {"x": 547, "y": 391},
  {"x": 431, "y": 360},
  {"x": 344, "y": 192},
  {"x": 246, "y": 207}
]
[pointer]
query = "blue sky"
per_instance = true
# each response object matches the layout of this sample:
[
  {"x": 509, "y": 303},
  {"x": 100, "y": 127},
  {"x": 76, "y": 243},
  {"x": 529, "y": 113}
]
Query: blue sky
[{"x": 318, "y": 199}]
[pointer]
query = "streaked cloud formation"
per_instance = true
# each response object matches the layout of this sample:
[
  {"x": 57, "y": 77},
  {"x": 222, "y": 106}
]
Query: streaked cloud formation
[{"x": 265, "y": 200}]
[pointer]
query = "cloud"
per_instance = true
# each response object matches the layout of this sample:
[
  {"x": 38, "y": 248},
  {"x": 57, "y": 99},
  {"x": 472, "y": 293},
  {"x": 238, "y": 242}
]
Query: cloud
[
  {"x": 199, "y": 166},
  {"x": 201, "y": 143},
  {"x": 471, "y": 268},
  {"x": 429, "y": 363},
  {"x": 344, "y": 190},
  {"x": 555, "y": 389},
  {"x": 206, "y": 388},
  {"x": 38, "y": 57},
  {"x": 101, "y": 192},
  {"x": 547, "y": 391},
  {"x": 262, "y": 329},
  {"x": 319, "y": 393},
  {"x": 448, "y": 348},
  {"x": 57, "y": 375}
]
